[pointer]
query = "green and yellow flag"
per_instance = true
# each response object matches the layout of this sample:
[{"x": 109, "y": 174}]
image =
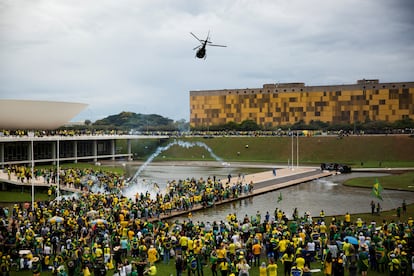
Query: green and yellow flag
[
  {"x": 279, "y": 199},
  {"x": 377, "y": 189}
]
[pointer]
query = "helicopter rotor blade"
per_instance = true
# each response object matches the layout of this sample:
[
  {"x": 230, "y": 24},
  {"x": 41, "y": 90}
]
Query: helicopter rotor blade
[
  {"x": 216, "y": 45},
  {"x": 197, "y": 47},
  {"x": 201, "y": 41}
]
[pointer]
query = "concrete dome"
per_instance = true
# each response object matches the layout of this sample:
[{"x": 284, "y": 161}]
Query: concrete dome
[{"x": 27, "y": 114}]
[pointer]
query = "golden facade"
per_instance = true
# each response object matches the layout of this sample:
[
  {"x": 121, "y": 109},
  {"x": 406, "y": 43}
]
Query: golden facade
[{"x": 283, "y": 104}]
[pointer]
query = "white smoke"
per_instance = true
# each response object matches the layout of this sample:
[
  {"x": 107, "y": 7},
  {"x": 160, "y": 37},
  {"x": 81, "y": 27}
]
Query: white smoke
[{"x": 137, "y": 185}]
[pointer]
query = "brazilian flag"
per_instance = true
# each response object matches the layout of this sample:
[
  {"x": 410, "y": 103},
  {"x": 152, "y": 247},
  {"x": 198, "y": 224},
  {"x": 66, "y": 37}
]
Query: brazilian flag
[{"x": 377, "y": 189}]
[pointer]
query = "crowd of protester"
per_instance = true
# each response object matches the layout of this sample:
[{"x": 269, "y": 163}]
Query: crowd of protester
[
  {"x": 96, "y": 232},
  {"x": 192, "y": 133}
]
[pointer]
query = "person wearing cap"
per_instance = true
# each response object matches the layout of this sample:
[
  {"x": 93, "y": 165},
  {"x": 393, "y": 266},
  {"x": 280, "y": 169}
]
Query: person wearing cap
[
  {"x": 262, "y": 269},
  {"x": 36, "y": 266},
  {"x": 394, "y": 265}
]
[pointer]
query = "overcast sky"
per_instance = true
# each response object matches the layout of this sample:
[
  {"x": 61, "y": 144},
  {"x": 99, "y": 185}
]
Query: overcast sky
[{"x": 137, "y": 55}]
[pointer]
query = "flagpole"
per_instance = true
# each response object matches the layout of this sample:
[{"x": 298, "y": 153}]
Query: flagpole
[
  {"x": 31, "y": 134},
  {"x": 297, "y": 149},
  {"x": 292, "y": 162},
  {"x": 58, "y": 173}
]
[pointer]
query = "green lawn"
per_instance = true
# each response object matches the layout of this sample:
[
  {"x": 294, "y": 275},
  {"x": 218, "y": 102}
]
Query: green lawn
[
  {"x": 357, "y": 151},
  {"x": 404, "y": 181},
  {"x": 166, "y": 270}
]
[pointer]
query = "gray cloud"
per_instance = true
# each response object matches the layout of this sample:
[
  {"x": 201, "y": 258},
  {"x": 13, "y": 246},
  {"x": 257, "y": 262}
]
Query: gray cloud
[{"x": 137, "y": 55}]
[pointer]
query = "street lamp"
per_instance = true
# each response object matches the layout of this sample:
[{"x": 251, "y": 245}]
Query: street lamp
[
  {"x": 297, "y": 149},
  {"x": 292, "y": 162},
  {"x": 58, "y": 170}
]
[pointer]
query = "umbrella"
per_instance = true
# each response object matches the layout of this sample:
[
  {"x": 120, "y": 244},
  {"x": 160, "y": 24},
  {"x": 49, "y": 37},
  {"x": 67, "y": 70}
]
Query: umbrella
[
  {"x": 99, "y": 221},
  {"x": 351, "y": 240},
  {"x": 56, "y": 219},
  {"x": 92, "y": 213}
]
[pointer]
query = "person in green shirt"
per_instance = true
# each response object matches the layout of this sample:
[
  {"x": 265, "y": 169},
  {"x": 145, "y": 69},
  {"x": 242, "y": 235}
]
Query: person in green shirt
[{"x": 213, "y": 262}]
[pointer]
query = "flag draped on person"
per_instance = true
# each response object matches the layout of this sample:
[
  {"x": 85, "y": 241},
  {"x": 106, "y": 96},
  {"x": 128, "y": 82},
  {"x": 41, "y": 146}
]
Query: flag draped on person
[
  {"x": 377, "y": 189},
  {"x": 279, "y": 199}
]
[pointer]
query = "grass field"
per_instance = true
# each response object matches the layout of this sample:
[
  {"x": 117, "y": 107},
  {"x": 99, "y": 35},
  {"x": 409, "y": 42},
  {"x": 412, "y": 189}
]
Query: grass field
[
  {"x": 357, "y": 151},
  {"x": 404, "y": 181}
]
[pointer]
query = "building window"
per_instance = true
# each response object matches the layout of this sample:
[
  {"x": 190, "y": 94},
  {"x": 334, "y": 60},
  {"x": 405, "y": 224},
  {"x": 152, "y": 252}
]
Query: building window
[{"x": 393, "y": 94}]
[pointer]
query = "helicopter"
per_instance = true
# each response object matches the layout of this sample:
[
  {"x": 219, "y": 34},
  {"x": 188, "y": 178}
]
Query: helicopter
[{"x": 201, "y": 49}]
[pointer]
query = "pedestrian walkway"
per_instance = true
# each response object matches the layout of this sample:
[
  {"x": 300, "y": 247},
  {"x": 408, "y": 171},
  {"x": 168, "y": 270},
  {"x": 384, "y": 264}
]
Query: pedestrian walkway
[
  {"x": 37, "y": 182},
  {"x": 263, "y": 182}
]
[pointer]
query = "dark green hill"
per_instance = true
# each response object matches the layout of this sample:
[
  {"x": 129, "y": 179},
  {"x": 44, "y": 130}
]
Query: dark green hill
[
  {"x": 131, "y": 120},
  {"x": 372, "y": 151}
]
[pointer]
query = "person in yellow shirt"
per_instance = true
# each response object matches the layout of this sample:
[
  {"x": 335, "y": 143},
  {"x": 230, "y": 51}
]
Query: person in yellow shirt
[
  {"x": 287, "y": 261},
  {"x": 272, "y": 267},
  {"x": 152, "y": 255},
  {"x": 224, "y": 268},
  {"x": 152, "y": 270},
  {"x": 183, "y": 243},
  {"x": 300, "y": 261},
  {"x": 263, "y": 269},
  {"x": 221, "y": 253},
  {"x": 190, "y": 247},
  {"x": 283, "y": 244},
  {"x": 256, "y": 250},
  {"x": 232, "y": 251},
  {"x": 347, "y": 219}
]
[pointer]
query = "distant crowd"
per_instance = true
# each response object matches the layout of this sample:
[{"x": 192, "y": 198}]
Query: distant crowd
[{"x": 191, "y": 133}]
